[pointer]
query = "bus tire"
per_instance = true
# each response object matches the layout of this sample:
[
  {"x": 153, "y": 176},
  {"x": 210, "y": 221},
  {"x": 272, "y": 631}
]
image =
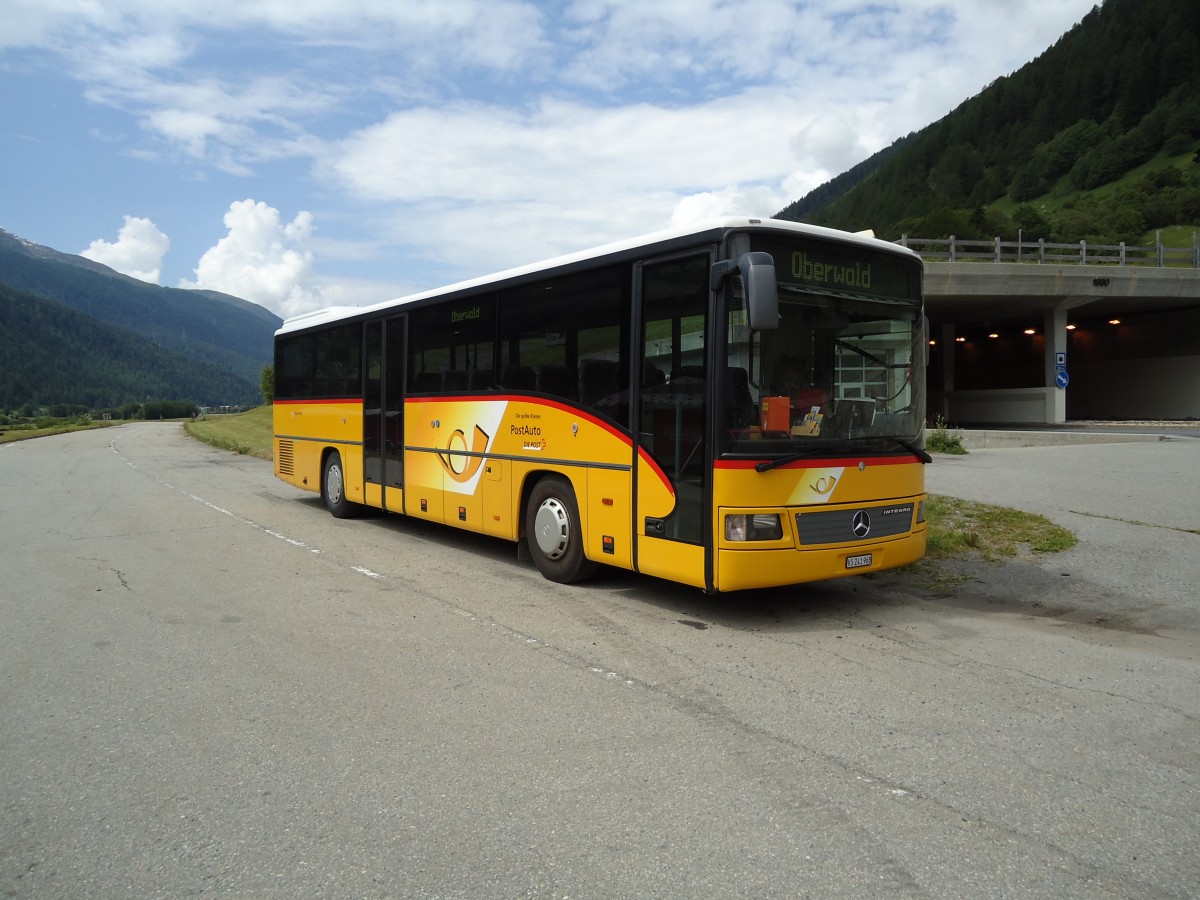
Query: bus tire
[
  {"x": 553, "y": 533},
  {"x": 333, "y": 489}
]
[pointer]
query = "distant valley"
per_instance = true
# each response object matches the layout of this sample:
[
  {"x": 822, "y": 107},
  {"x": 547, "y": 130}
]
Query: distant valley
[{"x": 73, "y": 331}]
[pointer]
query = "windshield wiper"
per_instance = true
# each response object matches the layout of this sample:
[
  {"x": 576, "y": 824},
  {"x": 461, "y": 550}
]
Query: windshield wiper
[
  {"x": 768, "y": 465},
  {"x": 916, "y": 451},
  {"x": 907, "y": 445}
]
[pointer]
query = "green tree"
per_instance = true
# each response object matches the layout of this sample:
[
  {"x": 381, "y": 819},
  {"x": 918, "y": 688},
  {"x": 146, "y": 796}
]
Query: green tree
[
  {"x": 266, "y": 384},
  {"x": 956, "y": 173},
  {"x": 1032, "y": 223},
  {"x": 1114, "y": 93},
  {"x": 1029, "y": 182}
]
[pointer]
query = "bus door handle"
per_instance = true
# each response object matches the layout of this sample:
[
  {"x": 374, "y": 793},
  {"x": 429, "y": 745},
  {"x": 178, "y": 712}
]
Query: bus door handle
[{"x": 655, "y": 527}]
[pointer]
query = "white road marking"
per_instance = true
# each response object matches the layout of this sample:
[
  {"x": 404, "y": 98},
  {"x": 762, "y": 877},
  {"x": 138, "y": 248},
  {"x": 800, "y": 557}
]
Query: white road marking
[{"x": 242, "y": 520}]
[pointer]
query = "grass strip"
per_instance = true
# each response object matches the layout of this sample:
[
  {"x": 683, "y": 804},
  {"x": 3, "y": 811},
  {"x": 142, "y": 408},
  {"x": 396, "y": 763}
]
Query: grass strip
[{"x": 248, "y": 433}]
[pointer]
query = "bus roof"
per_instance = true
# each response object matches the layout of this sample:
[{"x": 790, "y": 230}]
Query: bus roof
[{"x": 710, "y": 227}]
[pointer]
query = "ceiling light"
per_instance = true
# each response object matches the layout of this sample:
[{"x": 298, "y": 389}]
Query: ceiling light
[
  {"x": 1114, "y": 321},
  {"x": 1031, "y": 331}
]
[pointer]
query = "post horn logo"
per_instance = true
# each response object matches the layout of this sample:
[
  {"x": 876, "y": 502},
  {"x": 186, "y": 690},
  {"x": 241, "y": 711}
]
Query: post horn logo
[
  {"x": 824, "y": 484},
  {"x": 456, "y": 462}
]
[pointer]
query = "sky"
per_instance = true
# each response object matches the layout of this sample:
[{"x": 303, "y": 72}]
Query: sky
[{"x": 312, "y": 153}]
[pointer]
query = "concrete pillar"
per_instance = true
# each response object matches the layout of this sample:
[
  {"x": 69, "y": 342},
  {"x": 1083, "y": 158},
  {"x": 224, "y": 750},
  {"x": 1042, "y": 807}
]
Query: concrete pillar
[
  {"x": 946, "y": 340},
  {"x": 1055, "y": 326}
]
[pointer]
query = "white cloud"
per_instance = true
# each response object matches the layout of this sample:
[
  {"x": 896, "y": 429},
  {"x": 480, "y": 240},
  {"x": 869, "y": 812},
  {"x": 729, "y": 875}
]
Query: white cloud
[
  {"x": 516, "y": 129},
  {"x": 730, "y": 201},
  {"x": 560, "y": 152},
  {"x": 717, "y": 41},
  {"x": 137, "y": 252},
  {"x": 343, "y": 291},
  {"x": 261, "y": 259},
  {"x": 828, "y": 141},
  {"x": 519, "y": 185},
  {"x": 910, "y": 62}
]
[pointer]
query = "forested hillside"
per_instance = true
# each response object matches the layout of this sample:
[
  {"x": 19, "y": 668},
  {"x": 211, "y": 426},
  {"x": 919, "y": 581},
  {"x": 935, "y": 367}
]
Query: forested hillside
[
  {"x": 50, "y": 354},
  {"x": 1095, "y": 139},
  {"x": 201, "y": 325}
]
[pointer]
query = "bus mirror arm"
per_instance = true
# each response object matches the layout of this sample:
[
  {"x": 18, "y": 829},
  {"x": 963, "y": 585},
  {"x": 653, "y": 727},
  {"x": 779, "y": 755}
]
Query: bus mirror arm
[{"x": 758, "y": 280}]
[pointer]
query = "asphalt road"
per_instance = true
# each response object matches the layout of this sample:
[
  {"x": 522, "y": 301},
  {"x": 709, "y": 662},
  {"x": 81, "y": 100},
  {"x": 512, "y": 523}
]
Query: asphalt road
[
  {"x": 210, "y": 686},
  {"x": 1135, "y": 508}
]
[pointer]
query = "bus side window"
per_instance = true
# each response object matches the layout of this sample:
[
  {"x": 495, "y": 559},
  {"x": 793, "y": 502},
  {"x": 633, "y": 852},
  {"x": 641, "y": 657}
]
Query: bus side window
[
  {"x": 293, "y": 367},
  {"x": 339, "y": 362},
  {"x": 450, "y": 345},
  {"x": 599, "y": 379},
  {"x": 571, "y": 333}
]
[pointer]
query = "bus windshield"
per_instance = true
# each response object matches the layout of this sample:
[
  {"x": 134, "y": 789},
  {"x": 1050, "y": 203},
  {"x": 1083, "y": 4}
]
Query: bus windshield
[{"x": 844, "y": 370}]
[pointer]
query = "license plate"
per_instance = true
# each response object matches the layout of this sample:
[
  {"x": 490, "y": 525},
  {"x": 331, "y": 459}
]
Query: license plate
[{"x": 857, "y": 562}]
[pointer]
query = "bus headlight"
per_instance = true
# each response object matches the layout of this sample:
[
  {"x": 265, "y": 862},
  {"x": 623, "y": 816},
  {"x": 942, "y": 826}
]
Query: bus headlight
[
  {"x": 920, "y": 512},
  {"x": 759, "y": 527}
]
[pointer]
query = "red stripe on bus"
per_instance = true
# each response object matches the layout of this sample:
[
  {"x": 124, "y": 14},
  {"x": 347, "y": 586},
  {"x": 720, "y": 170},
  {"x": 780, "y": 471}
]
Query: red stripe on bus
[
  {"x": 523, "y": 398},
  {"x": 328, "y": 400},
  {"x": 841, "y": 462},
  {"x": 662, "y": 476},
  {"x": 616, "y": 432}
]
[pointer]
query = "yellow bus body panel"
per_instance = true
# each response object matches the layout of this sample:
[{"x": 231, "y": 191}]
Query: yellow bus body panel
[
  {"x": 609, "y": 493},
  {"x": 469, "y": 459},
  {"x": 467, "y": 462},
  {"x": 841, "y": 485},
  {"x": 305, "y": 430},
  {"x": 373, "y": 495},
  {"x": 675, "y": 560}
]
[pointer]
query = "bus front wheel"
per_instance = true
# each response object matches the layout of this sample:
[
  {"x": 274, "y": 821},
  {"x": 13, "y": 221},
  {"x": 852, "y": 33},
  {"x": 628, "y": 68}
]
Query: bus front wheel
[
  {"x": 333, "y": 489},
  {"x": 553, "y": 533}
]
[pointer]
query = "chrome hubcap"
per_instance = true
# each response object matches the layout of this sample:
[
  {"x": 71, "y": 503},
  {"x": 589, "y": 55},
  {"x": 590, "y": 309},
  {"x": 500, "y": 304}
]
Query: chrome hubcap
[
  {"x": 552, "y": 528},
  {"x": 333, "y": 485}
]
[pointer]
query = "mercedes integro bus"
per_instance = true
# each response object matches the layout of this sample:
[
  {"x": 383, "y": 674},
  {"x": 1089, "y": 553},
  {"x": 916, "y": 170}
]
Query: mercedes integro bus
[{"x": 738, "y": 404}]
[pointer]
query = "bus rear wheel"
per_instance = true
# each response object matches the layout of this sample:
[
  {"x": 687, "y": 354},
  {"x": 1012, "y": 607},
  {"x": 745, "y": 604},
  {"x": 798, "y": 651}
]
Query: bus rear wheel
[
  {"x": 333, "y": 489},
  {"x": 553, "y": 533}
]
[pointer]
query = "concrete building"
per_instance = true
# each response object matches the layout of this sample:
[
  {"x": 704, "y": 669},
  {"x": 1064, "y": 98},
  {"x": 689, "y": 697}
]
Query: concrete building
[{"x": 1048, "y": 341}]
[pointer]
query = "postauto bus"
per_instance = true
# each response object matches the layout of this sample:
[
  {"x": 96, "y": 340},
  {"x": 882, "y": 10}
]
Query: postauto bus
[{"x": 738, "y": 404}]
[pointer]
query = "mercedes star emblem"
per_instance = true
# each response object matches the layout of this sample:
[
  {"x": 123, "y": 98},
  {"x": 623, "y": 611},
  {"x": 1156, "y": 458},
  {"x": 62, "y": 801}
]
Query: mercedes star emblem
[{"x": 861, "y": 524}]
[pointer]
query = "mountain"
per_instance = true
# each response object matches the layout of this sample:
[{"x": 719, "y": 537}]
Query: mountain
[
  {"x": 52, "y": 354},
  {"x": 126, "y": 340},
  {"x": 1096, "y": 138},
  {"x": 202, "y": 325}
]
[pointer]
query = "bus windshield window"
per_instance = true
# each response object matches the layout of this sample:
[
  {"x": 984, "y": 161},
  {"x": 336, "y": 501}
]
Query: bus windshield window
[{"x": 843, "y": 368}]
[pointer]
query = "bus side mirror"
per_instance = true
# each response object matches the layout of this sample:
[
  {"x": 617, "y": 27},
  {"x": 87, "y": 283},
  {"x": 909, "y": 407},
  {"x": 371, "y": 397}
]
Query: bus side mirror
[{"x": 758, "y": 280}]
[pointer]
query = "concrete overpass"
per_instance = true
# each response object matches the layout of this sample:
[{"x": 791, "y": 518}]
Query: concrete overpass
[{"x": 1045, "y": 342}]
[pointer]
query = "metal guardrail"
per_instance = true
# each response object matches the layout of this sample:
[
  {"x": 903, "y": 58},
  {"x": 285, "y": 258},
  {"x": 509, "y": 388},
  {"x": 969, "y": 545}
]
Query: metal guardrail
[{"x": 1042, "y": 252}]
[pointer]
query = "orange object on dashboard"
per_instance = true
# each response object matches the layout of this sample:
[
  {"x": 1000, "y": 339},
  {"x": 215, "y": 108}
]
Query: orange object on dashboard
[{"x": 776, "y": 413}]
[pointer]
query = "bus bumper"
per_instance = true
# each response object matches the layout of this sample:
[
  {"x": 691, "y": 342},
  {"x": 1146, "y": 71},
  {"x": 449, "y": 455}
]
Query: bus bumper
[{"x": 742, "y": 569}]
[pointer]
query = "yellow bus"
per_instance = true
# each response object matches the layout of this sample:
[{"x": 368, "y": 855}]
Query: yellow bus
[{"x": 739, "y": 404}]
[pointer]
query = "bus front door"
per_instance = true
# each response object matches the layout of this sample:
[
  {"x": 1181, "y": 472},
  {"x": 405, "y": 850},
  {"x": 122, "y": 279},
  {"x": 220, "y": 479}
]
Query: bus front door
[{"x": 671, "y": 427}]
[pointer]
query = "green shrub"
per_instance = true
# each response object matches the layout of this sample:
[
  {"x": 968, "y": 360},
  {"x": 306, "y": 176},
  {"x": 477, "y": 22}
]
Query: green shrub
[{"x": 940, "y": 440}]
